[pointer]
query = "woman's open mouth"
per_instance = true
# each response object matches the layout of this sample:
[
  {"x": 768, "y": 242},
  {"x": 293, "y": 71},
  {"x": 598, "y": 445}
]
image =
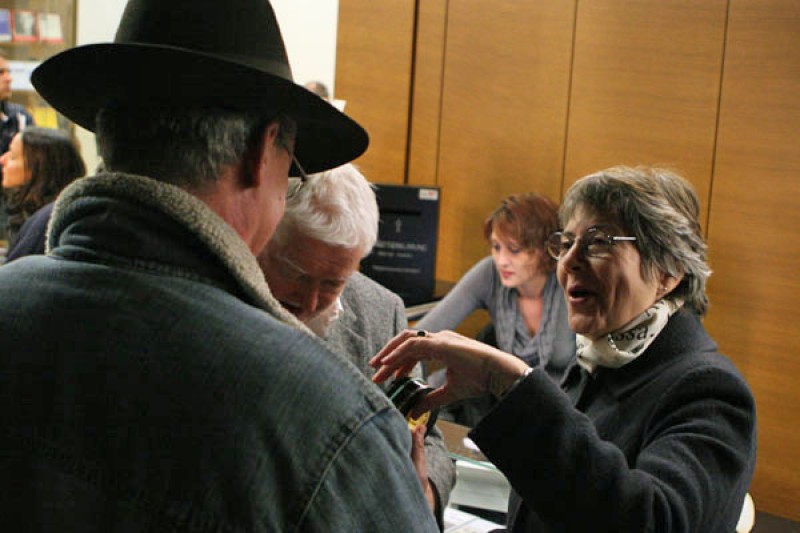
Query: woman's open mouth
[{"x": 579, "y": 294}]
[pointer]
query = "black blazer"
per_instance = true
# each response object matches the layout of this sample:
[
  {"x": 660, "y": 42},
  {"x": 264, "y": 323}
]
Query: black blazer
[
  {"x": 31, "y": 236},
  {"x": 665, "y": 443}
]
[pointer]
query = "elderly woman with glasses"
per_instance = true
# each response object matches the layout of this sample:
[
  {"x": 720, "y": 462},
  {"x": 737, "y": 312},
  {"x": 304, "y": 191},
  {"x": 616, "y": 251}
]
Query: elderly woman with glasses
[{"x": 652, "y": 429}]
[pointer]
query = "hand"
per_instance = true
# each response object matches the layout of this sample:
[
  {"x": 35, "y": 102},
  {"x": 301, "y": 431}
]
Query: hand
[
  {"x": 420, "y": 464},
  {"x": 473, "y": 367}
]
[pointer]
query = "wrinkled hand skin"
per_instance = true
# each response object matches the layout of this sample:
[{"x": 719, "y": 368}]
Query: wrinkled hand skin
[{"x": 472, "y": 368}]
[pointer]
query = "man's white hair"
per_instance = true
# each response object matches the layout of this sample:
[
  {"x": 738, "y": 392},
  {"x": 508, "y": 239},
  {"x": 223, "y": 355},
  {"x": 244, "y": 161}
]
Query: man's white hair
[{"x": 337, "y": 207}]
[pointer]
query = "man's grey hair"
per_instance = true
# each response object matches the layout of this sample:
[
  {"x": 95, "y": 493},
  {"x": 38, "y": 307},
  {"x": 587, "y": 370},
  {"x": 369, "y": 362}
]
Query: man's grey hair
[
  {"x": 337, "y": 207},
  {"x": 660, "y": 209},
  {"x": 189, "y": 148}
]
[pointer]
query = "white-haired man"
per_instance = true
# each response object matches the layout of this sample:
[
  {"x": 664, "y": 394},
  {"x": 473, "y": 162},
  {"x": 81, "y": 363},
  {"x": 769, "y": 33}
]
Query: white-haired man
[{"x": 311, "y": 263}]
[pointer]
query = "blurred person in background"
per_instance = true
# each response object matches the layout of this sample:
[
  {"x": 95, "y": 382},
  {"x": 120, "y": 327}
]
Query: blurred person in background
[
  {"x": 38, "y": 165},
  {"x": 318, "y": 88},
  {"x": 13, "y": 119},
  {"x": 517, "y": 284}
]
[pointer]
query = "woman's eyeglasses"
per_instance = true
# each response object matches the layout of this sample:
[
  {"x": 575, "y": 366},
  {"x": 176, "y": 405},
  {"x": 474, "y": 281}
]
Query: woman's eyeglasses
[{"x": 594, "y": 243}]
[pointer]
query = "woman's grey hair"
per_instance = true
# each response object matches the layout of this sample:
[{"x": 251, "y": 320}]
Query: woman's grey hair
[
  {"x": 660, "y": 209},
  {"x": 188, "y": 148},
  {"x": 337, "y": 207}
]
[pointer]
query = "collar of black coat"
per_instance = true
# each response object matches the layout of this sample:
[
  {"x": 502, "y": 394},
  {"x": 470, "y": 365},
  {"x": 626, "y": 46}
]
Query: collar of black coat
[{"x": 683, "y": 335}]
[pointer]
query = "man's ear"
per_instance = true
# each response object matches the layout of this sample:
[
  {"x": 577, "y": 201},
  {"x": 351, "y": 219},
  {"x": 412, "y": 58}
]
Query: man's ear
[{"x": 255, "y": 162}]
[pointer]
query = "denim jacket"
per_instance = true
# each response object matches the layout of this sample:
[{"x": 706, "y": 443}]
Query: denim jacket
[{"x": 150, "y": 382}]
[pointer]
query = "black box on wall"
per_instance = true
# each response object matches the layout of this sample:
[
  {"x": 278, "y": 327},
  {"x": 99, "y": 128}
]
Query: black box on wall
[{"x": 404, "y": 258}]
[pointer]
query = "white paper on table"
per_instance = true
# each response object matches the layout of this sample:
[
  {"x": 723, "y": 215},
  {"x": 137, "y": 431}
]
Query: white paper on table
[{"x": 457, "y": 521}]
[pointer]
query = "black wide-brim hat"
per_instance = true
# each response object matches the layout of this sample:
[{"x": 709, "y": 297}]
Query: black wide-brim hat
[{"x": 198, "y": 54}]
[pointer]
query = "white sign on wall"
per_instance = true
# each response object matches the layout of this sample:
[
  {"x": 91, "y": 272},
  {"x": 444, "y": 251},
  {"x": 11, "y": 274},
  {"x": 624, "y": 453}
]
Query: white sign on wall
[{"x": 21, "y": 74}]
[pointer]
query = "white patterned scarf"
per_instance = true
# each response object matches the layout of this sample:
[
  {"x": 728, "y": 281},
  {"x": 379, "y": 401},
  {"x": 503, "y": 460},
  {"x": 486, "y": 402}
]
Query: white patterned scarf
[{"x": 619, "y": 348}]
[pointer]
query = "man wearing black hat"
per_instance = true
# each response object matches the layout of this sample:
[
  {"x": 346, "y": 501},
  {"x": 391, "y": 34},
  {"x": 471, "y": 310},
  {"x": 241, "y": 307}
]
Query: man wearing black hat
[{"x": 150, "y": 381}]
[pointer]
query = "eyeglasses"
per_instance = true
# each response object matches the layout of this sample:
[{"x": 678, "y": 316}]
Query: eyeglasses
[
  {"x": 302, "y": 176},
  {"x": 297, "y": 181},
  {"x": 594, "y": 243}
]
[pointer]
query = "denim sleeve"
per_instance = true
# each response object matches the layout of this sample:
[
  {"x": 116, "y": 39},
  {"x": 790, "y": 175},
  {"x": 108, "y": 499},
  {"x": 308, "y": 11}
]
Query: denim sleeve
[{"x": 371, "y": 484}]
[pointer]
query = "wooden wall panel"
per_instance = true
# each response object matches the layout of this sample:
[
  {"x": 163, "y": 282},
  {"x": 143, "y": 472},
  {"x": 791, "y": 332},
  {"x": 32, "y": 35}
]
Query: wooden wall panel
[
  {"x": 506, "y": 83},
  {"x": 501, "y": 105},
  {"x": 426, "y": 105},
  {"x": 753, "y": 234},
  {"x": 373, "y": 74},
  {"x": 645, "y": 87}
]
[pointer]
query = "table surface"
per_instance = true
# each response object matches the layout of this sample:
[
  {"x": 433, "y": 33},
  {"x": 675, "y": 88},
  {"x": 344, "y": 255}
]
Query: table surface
[
  {"x": 454, "y": 435},
  {"x": 479, "y": 484}
]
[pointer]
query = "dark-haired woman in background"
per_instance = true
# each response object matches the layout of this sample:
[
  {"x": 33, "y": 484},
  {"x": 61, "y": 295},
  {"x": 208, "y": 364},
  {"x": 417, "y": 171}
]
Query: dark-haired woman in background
[
  {"x": 518, "y": 286},
  {"x": 39, "y": 163}
]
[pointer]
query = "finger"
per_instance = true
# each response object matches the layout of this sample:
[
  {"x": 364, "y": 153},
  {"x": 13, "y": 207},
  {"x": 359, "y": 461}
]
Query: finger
[
  {"x": 436, "y": 398},
  {"x": 393, "y": 371},
  {"x": 383, "y": 373},
  {"x": 406, "y": 369},
  {"x": 402, "y": 359},
  {"x": 396, "y": 341}
]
